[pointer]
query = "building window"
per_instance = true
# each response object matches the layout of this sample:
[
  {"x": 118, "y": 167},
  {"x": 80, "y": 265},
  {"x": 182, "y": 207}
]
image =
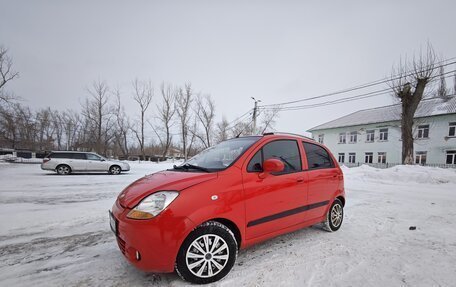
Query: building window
[
  {"x": 420, "y": 157},
  {"x": 382, "y": 157},
  {"x": 341, "y": 157},
  {"x": 452, "y": 130},
  {"x": 368, "y": 157},
  {"x": 370, "y": 136},
  {"x": 423, "y": 131},
  {"x": 383, "y": 134},
  {"x": 451, "y": 157},
  {"x": 321, "y": 138},
  {"x": 352, "y": 157},
  {"x": 342, "y": 138},
  {"x": 353, "y": 137}
]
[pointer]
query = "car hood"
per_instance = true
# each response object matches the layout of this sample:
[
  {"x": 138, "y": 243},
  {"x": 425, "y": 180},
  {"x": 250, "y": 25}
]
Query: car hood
[{"x": 164, "y": 180}]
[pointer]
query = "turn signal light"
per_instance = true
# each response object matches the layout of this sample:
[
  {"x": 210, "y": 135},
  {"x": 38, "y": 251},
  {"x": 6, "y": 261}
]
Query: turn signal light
[{"x": 137, "y": 214}]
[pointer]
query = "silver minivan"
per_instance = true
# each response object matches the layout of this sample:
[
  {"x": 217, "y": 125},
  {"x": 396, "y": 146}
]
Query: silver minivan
[{"x": 66, "y": 162}]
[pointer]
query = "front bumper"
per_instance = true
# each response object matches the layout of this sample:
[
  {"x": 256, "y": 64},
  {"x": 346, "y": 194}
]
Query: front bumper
[{"x": 156, "y": 241}]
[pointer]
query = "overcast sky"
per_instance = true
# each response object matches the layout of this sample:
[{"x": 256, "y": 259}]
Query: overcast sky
[{"x": 272, "y": 50}]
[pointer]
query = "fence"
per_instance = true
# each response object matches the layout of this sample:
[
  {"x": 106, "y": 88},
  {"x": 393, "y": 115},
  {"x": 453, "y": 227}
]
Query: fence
[{"x": 387, "y": 165}]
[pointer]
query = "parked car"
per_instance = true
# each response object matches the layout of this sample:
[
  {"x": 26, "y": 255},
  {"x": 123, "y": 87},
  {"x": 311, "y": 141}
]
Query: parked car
[
  {"x": 194, "y": 218},
  {"x": 66, "y": 162}
]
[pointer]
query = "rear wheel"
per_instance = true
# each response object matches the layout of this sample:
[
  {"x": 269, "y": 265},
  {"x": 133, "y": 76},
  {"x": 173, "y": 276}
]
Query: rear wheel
[
  {"x": 63, "y": 169},
  {"x": 207, "y": 254},
  {"x": 335, "y": 216},
  {"x": 115, "y": 169}
]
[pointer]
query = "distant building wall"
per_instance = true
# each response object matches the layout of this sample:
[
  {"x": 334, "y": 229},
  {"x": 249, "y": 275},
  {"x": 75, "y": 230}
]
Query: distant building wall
[{"x": 435, "y": 146}]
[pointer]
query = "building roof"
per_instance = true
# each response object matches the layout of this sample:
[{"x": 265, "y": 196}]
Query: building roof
[{"x": 427, "y": 108}]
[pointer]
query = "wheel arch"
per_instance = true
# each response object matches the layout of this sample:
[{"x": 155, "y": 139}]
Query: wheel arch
[
  {"x": 232, "y": 226},
  {"x": 342, "y": 199}
]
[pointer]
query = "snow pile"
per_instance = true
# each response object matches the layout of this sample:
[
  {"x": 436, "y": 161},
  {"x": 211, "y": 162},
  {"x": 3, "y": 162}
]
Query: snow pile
[
  {"x": 11, "y": 158},
  {"x": 402, "y": 174}
]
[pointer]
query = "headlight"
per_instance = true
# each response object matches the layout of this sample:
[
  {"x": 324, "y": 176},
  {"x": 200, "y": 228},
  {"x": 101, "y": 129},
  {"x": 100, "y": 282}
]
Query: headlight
[{"x": 152, "y": 205}]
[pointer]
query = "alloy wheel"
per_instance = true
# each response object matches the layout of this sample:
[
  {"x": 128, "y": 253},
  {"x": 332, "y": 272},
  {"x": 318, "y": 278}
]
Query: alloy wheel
[
  {"x": 207, "y": 255},
  {"x": 336, "y": 215}
]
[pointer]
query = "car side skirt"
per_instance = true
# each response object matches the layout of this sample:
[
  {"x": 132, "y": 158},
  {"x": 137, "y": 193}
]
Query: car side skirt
[{"x": 247, "y": 243}]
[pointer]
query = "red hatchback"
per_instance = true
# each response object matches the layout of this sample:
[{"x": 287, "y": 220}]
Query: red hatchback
[{"x": 194, "y": 218}]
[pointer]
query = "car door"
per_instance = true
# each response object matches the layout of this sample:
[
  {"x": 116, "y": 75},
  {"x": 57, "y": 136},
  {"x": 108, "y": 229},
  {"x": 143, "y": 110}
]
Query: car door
[
  {"x": 96, "y": 163},
  {"x": 78, "y": 161},
  {"x": 274, "y": 203},
  {"x": 322, "y": 179}
]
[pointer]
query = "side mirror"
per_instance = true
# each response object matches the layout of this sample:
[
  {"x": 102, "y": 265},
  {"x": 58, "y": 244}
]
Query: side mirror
[{"x": 271, "y": 165}]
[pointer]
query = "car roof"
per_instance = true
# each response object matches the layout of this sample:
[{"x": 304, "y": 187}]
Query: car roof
[
  {"x": 70, "y": 151},
  {"x": 283, "y": 135}
]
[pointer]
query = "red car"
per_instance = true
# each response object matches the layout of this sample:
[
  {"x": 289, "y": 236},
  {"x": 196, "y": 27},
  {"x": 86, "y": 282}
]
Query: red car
[{"x": 194, "y": 218}]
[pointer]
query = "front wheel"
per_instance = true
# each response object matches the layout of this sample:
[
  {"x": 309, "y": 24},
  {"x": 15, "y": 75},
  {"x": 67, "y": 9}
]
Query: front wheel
[
  {"x": 115, "y": 169},
  {"x": 207, "y": 254},
  {"x": 334, "y": 217}
]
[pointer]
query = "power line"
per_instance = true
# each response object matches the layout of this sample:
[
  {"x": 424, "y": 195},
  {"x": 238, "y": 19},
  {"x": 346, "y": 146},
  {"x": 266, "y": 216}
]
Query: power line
[
  {"x": 238, "y": 119},
  {"x": 363, "y": 86},
  {"x": 347, "y": 99}
]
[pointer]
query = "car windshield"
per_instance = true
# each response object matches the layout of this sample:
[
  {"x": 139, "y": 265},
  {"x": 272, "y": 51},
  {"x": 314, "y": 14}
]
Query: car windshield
[{"x": 220, "y": 156}]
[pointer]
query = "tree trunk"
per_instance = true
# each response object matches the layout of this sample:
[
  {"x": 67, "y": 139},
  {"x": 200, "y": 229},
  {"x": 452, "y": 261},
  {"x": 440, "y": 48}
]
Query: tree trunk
[{"x": 407, "y": 135}]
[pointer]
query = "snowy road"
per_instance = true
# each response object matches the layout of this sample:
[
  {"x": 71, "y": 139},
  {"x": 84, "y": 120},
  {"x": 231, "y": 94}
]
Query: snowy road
[{"x": 54, "y": 231}]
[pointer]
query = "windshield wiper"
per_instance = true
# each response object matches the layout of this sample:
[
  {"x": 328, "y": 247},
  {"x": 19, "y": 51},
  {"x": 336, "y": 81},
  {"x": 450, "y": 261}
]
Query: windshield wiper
[{"x": 188, "y": 166}]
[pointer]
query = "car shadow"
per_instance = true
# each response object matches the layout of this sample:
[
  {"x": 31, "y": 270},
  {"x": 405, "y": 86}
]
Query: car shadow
[{"x": 86, "y": 173}]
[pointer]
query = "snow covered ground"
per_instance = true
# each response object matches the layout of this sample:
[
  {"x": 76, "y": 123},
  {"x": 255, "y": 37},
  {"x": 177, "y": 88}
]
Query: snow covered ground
[{"x": 54, "y": 231}]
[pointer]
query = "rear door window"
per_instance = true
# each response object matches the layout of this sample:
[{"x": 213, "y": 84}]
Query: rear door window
[
  {"x": 79, "y": 156},
  {"x": 317, "y": 157}
]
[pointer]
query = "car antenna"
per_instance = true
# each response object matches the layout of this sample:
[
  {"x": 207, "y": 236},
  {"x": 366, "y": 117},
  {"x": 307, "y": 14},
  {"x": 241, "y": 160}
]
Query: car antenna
[{"x": 239, "y": 134}]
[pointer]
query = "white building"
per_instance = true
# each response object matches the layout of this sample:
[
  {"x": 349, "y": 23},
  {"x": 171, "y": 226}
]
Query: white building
[{"x": 373, "y": 136}]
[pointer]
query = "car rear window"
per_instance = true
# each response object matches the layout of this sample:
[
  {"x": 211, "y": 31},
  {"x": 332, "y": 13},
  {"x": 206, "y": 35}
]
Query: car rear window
[{"x": 78, "y": 156}]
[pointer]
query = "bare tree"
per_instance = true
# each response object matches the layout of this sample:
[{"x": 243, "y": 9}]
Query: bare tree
[
  {"x": 242, "y": 128},
  {"x": 9, "y": 134},
  {"x": 442, "y": 91},
  {"x": 409, "y": 82},
  {"x": 166, "y": 110},
  {"x": 269, "y": 119},
  {"x": 71, "y": 126},
  {"x": 454, "y": 83},
  {"x": 6, "y": 74},
  {"x": 222, "y": 130},
  {"x": 99, "y": 114},
  {"x": 183, "y": 102},
  {"x": 122, "y": 126},
  {"x": 143, "y": 96},
  {"x": 205, "y": 112}
]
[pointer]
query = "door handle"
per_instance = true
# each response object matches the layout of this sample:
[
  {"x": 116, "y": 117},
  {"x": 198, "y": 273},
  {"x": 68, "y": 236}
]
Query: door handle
[{"x": 300, "y": 179}]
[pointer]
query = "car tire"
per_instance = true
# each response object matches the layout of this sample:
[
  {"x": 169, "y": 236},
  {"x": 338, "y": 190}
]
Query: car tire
[
  {"x": 334, "y": 217},
  {"x": 63, "y": 169},
  {"x": 207, "y": 254},
  {"x": 115, "y": 169}
]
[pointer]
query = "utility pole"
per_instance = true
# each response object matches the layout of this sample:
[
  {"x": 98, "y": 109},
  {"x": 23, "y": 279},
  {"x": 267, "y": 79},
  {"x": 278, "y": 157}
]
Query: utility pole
[{"x": 255, "y": 114}]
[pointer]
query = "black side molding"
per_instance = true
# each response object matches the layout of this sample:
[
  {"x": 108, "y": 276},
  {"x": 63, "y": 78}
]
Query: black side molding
[{"x": 287, "y": 213}]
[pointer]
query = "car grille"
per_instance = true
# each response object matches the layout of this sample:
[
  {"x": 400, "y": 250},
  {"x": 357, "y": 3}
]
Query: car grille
[{"x": 121, "y": 244}]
